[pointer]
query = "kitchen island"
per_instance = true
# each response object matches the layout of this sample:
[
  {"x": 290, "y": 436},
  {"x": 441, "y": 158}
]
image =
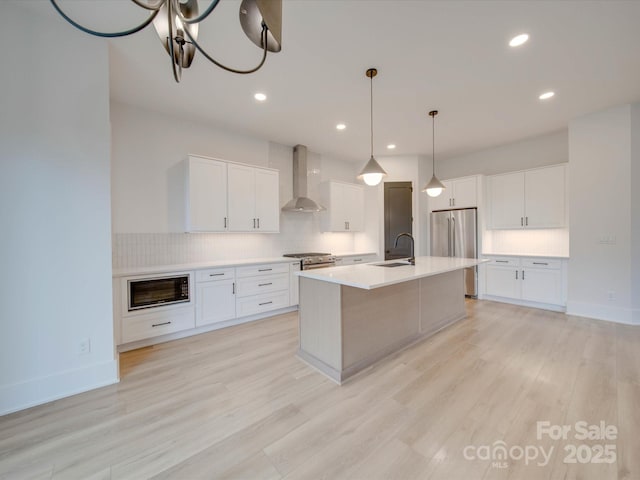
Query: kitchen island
[{"x": 353, "y": 316}]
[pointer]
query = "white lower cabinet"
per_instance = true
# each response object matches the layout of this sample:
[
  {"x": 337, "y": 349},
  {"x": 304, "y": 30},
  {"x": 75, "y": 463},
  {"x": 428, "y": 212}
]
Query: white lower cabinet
[
  {"x": 262, "y": 288},
  {"x": 153, "y": 324},
  {"x": 215, "y": 296},
  {"x": 294, "y": 284},
  {"x": 539, "y": 280}
]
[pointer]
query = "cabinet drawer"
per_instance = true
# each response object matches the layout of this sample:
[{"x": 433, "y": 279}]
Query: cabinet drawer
[
  {"x": 151, "y": 324},
  {"x": 541, "y": 263},
  {"x": 261, "y": 303},
  {"x": 265, "y": 269},
  {"x": 213, "y": 274},
  {"x": 262, "y": 284},
  {"x": 505, "y": 261}
]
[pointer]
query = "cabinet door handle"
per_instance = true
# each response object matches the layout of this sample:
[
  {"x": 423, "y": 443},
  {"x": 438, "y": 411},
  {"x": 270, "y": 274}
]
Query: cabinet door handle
[
  {"x": 215, "y": 274},
  {"x": 453, "y": 202},
  {"x": 225, "y": 222},
  {"x": 265, "y": 284},
  {"x": 516, "y": 274},
  {"x": 521, "y": 221},
  {"x": 258, "y": 223},
  {"x": 502, "y": 261},
  {"x": 265, "y": 269},
  {"x": 357, "y": 260},
  {"x": 233, "y": 288},
  {"x": 540, "y": 263},
  {"x": 160, "y": 324},
  {"x": 526, "y": 221},
  {"x": 523, "y": 274},
  {"x": 265, "y": 303},
  {"x": 254, "y": 223}
]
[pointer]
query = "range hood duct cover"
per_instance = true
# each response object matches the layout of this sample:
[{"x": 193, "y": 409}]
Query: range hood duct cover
[{"x": 300, "y": 201}]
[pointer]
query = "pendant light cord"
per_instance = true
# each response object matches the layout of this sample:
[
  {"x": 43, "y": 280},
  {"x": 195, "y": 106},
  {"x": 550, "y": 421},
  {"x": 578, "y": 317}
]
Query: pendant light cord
[
  {"x": 371, "y": 90},
  {"x": 433, "y": 144}
]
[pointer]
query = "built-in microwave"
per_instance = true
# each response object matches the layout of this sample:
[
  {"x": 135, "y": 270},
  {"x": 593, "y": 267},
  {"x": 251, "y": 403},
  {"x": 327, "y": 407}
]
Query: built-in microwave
[{"x": 157, "y": 291}]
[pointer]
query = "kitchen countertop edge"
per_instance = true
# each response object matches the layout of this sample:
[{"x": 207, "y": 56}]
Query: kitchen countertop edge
[
  {"x": 159, "y": 269},
  {"x": 533, "y": 255}
]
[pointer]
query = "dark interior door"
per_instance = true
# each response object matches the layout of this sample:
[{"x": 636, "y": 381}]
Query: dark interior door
[{"x": 398, "y": 218}]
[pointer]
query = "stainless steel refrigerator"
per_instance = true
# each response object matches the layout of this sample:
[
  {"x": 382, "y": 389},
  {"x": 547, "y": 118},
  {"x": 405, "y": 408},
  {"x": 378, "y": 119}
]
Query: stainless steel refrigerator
[{"x": 454, "y": 233}]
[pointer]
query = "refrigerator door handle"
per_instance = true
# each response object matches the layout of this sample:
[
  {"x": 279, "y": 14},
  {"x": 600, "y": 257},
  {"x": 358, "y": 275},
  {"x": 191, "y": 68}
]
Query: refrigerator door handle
[
  {"x": 448, "y": 237},
  {"x": 453, "y": 236}
]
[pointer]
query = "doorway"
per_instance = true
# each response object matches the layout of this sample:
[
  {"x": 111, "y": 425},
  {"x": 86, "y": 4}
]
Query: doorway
[{"x": 398, "y": 218}]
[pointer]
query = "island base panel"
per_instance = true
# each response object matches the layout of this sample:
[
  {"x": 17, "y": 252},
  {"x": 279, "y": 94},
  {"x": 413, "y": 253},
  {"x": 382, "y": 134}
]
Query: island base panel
[{"x": 441, "y": 301}]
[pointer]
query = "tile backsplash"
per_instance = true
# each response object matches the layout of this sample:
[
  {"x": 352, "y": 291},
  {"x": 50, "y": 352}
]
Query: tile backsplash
[
  {"x": 298, "y": 233},
  {"x": 544, "y": 241}
]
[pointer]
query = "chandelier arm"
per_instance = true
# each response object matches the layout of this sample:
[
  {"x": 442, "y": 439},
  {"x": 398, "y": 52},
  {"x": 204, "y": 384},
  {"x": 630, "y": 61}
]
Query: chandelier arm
[
  {"x": 229, "y": 69},
  {"x": 146, "y": 6},
  {"x": 177, "y": 72},
  {"x": 205, "y": 14},
  {"x": 105, "y": 34}
]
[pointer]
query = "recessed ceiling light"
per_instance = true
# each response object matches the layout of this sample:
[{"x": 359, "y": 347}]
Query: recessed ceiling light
[
  {"x": 518, "y": 40},
  {"x": 261, "y": 97},
  {"x": 341, "y": 126},
  {"x": 546, "y": 95},
  {"x": 391, "y": 146}
]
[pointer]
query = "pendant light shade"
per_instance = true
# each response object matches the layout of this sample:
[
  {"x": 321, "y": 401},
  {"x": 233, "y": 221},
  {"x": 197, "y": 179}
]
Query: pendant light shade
[
  {"x": 435, "y": 186},
  {"x": 372, "y": 172}
]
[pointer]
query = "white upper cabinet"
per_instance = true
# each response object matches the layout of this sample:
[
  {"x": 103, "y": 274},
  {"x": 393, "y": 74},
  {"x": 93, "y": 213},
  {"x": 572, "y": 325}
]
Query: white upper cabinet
[
  {"x": 206, "y": 195},
  {"x": 253, "y": 199},
  {"x": 267, "y": 200},
  {"x": 345, "y": 207},
  {"x": 529, "y": 199},
  {"x": 458, "y": 193},
  {"x": 544, "y": 197},
  {"x": 230, "y": 197}
]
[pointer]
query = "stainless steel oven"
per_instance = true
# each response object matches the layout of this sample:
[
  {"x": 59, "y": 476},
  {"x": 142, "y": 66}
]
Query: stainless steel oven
[
  {"x": 309, "y": 261},
  {"x": 157, "y": 291}
]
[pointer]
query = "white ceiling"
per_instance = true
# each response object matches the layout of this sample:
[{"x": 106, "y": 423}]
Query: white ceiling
[{"x": 447, "y": 55}]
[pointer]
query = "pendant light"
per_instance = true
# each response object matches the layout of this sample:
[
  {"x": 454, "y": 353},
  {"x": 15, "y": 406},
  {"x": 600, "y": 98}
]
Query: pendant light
[
  {"x": 435, "y": 186},
  {"x": 372, "y": 172}
]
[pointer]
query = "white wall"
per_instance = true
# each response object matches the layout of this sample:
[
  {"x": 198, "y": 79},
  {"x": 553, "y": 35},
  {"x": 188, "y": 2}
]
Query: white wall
[
  {"x": 533, "y": 152},
  {"x": 601, "y": 203},
  {"x": 635, "y": 212},
  {"x": 54, "y": 211},
  {"x": 148, "y": 192}
]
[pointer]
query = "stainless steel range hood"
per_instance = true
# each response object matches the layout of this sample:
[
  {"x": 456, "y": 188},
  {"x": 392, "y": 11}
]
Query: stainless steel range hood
[{"x": 300, "y": 201}]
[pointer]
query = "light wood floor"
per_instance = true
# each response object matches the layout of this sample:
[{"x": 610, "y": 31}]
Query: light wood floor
[{"x": 236, "y": 403}]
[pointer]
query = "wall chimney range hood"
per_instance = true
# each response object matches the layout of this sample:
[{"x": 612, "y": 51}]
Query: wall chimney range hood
[{"x": 300, "y": 201}]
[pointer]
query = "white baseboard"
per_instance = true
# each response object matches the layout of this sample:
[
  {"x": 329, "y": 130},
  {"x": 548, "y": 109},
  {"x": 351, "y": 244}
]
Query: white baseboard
[
  {"x": 627, "y": 316},
  {"x": 29, "y": 393},
  {"x": 524, "y": 303}
]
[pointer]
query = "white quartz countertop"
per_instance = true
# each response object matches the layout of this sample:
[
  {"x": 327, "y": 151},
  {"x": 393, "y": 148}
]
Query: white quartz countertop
[
  {"x": 369, "y": 275},
  {"x": 156, "y": 269},
  {"x": 535, "y": 255}
]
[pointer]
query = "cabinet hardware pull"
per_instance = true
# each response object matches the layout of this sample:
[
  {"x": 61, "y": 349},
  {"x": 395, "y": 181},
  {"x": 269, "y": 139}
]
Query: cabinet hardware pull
[
  {"x": 540, "y": 263},
  {"x": 502, "y": 261},
  {"x": 160, "y": 324},
  {"x": 265, "y": 269},
  {"x": 215, "y": 274},
  {"x": 516, "y": 274},
  {"x": 526, "y": 221},
  {"x": 225, "y": 222},
  {"x": 264, "y": 303},
  {"x": 357, "y": 259},
  {"x": 521, "y": 222},
  {"x": 523, "y": 274},
  {"x": 254, "y": 223},
  {"x": 258, "y": 223},
  {"x": 453, "y": 202},
  {"x": 233, "y": 288},
  {"x": 265, "y": 284}
]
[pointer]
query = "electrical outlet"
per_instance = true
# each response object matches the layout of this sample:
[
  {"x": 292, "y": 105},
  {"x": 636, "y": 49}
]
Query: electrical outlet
[
  {"x": 84, "y": 346},
  {"x": 611, "y": 296}
]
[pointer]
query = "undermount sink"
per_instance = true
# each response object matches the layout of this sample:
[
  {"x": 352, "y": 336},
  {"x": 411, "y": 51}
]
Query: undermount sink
[{"x": 393, "y": 264}]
